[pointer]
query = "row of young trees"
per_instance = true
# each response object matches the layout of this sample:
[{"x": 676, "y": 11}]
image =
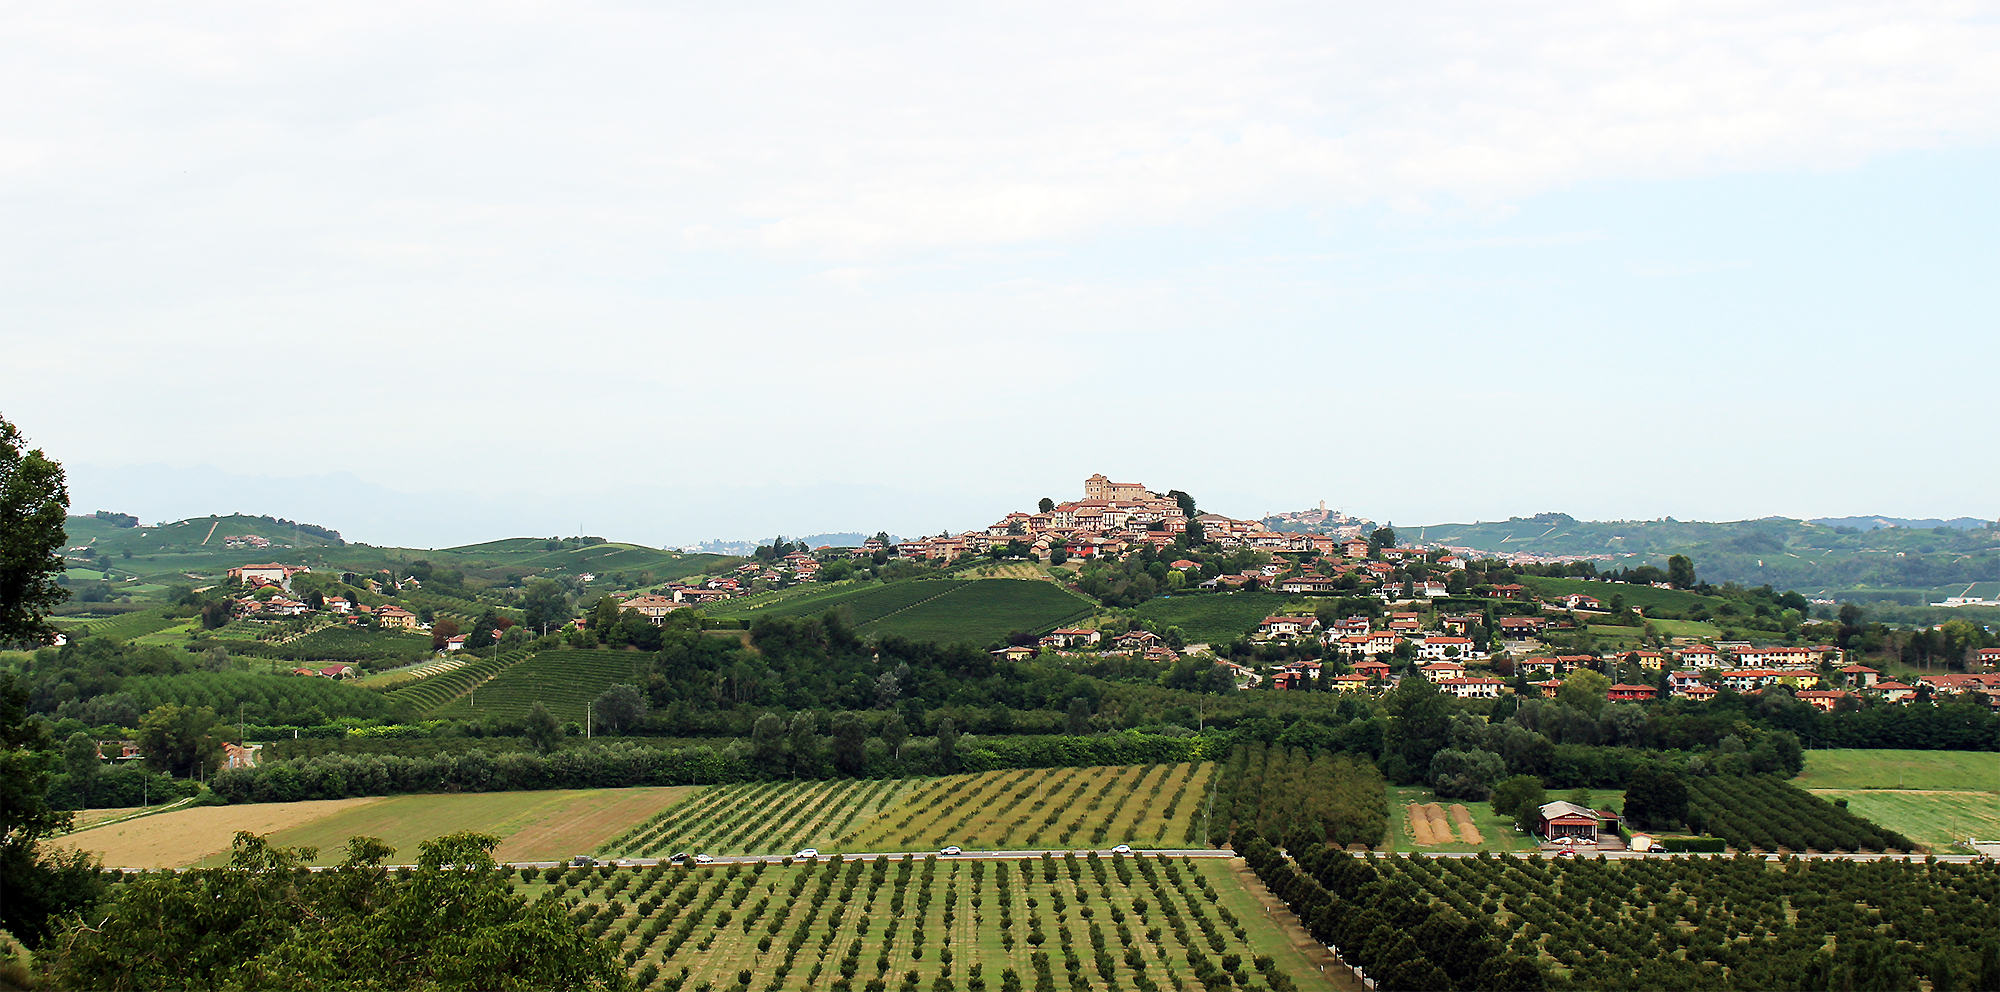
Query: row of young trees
[{"x": 1276, "y": 793}]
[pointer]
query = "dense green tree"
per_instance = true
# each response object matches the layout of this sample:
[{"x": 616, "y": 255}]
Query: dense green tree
[
  {"x": 804, "y": 742},
  {"x": 545, "y": 606},
  {"x": 1519, "y": 797},
  {"x": 1077, "y": 721},
  {"x": 1655, "y": 799},
  {"x": 34, "y": 503},
  {"x": 541, "y": 729},
  {"x": 850, "y": 739},
  {"x": 618, "y": 707},
  {"x": 35, "y": 884},
  {"x": 181, "y": 740},
  {"x": 455, "y": 922},
  {"x": 1680, "y": 572}
]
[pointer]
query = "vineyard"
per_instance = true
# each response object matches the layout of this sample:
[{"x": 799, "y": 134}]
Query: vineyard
[
  {"x": 120, "y": 628},
  {"x": 974, "y": 611},
  {"x": 439, "y": 690},
  {"x": 1281, "y": 793},
  {"x": 1142, "y": 805},
  {"x": 938, "y": 924},
  {"x": 1765, "y": 813},
  {"x": 1679, "y": 923},
  {"x": 563, "y": 681}
]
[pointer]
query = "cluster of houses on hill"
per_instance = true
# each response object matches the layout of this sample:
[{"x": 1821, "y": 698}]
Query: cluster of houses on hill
[{"x": 1815, "y": 675}]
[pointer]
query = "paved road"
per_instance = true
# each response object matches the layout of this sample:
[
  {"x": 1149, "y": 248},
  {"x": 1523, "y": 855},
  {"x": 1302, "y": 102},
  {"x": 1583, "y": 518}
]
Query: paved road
[{"x": 733, "y": 859}]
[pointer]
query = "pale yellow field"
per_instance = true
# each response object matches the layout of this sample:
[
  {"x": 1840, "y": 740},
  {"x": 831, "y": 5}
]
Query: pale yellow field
[{"x": 185, "y": 837}]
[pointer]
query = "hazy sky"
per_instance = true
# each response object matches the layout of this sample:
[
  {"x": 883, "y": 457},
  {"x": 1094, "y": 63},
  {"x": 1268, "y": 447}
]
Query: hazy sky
[{"x": 436, "y": 272}]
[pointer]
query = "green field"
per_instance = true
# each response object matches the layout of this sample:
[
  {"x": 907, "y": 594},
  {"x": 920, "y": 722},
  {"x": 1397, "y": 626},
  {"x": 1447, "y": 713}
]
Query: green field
[
  {"x": 1642, "y": 597},
  {"x": 983, "y": 610},
  {"x": 1962, "y": 771},
  {"x": 1935, "y": 819},
  {"x": 1216, "y": 618},
  {"x": 349, "y": 644},
  {"x": 563, "y": 681},
  {"x": 1145, "y": 806},
  {"x": 933, "y": 923}
]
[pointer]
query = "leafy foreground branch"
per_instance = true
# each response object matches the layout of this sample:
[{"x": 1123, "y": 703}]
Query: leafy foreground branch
[{"x": 265, "y": 922}]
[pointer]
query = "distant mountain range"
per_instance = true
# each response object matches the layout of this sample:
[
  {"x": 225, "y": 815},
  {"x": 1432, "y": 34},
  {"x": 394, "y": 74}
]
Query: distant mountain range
[{"x": 1877, "y": 523}]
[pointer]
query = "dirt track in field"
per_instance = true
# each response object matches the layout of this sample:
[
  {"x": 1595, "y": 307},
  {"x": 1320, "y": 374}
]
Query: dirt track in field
[{"x": 184, "y": 837}]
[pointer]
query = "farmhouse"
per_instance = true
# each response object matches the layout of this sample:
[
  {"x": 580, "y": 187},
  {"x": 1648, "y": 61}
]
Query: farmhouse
[
  {"x": 273, "y": 574},
  {"x": 653, "y": 608}
]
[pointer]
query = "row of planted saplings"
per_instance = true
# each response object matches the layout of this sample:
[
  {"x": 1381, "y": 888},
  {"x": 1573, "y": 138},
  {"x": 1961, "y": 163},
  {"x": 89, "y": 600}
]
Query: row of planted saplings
[{"x": 664, "y": 909}]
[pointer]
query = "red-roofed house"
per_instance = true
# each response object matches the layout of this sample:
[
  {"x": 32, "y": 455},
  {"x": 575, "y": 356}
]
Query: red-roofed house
[
  {"x": 1623, "y": 692},
  {"x": 1823, "y": 699}
]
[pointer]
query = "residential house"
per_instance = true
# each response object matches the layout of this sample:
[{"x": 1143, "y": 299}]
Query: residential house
[
  {"x": 1624, "y": 692},
  {"x": 1987, "y": 658},
  {"x": 1701, "y": 656},
  {"x": 272, "y": 574},
  {"x": 1470, "y": 687},
  {"x": 1700, "y": 692},
  {"x": 397, "y": 618},
  {"x": 1679, "y": 682},
  {"x": 1896, "y": 692},
  {"x": 1442, "y": 670},
  {"x": 1441, "y": 646},
  {"x": 1860, "y": 676},
  {"x": 1351, "y": 683},
  {"x": 1287, "y": 627},
  {"x": 1371, "y": 669},
  {"x": 1135, "y": 640},
  {"x": 1579, "y": 601},
  {"x": 1069, "y": 637},
  {"x": 1013, "y": 653},
  {"x": 1518, "y": 628},
  {"x": 1823, "y": 700}
]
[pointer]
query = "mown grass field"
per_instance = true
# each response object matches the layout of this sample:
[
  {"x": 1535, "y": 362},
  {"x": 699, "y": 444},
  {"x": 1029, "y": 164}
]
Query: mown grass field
[
  {"x": 563, "y": 681},
  {"x": 1935, "y": 819},
  {"x": 1968, "y": 771},
  {"x": 934, "y": 923},
  {"x": 1216, "y": 618},
  {"x": 1145, "y": 806}
]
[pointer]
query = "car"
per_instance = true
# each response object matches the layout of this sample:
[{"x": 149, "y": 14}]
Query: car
[
  {"x": 810, "y": 852},
  {"x": 1122, "y": 849},
  {"x": 702, "y": 859},
  {"x": 680, "y": 858},
  {"x": 952, "y": 849},
  {"x": 582, "y": 861}
]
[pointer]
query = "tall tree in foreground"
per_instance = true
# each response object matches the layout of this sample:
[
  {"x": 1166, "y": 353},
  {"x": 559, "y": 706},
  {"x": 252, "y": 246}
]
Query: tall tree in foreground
[
  {"x": 34, "y": 502},
  {"x": 455, "y": 923},
  {"x": 34, "y": 884}
]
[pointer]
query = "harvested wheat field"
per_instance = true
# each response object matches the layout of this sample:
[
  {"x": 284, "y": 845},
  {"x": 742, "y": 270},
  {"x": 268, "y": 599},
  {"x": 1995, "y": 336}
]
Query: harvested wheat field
[
  {"x": 188, "y": 836},
  {"x": 1462, "y": 819}
]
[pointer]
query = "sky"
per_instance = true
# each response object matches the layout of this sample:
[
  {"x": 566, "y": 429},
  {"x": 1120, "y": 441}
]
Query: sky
[{"x": 433, "y": 273}]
